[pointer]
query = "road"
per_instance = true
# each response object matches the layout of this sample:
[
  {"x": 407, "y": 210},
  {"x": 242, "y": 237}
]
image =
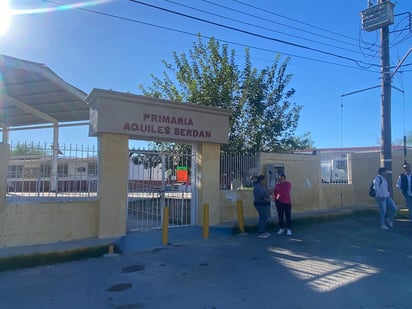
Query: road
[{"x": 345, "y": 263}]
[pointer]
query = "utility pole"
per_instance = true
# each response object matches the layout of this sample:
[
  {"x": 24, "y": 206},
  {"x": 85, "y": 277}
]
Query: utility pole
[
  {"x": 386, "y": 85},
  {"x": 375, "y": 17}
]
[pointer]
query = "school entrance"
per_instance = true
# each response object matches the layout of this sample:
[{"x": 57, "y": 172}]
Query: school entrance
[
  {"x": 159, "y": 179},
  {"x": 181, "y": 181}
]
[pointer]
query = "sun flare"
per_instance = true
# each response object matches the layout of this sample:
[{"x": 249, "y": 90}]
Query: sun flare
[
  {"x": 6, "y": 12},
  {"x": 5, "y": 16}
]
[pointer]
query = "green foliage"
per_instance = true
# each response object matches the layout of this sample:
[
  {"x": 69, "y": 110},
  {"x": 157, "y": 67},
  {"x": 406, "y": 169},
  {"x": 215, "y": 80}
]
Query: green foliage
[
  {"x": 400, "y": 141},
  {"x": 23, "y": 149},
  {"x": 264, "y": 117},
  {"x": 148, "y": 160},
  {"x": 174, "y": 155}
]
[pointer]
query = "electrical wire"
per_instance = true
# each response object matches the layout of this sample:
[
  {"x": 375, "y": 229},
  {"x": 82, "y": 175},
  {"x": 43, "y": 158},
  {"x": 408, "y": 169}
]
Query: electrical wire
[
  {"x": 265, "y": 28},
  {"x": 294, "y": 20},
  {"x": 360, "y": 64},
  {"x": 357, "y": 62},
  {"x": 208, "y": 37}
]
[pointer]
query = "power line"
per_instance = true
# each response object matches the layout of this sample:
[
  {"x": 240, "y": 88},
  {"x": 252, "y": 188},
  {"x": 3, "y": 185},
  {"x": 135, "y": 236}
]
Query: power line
[
  {"x": 261, "y": 27},
  {"x": 322, "y": 29},
  {"x": 285, "y": 25},
  {"x": 208, "y": 37},
  {"x": 294, "y": 20},
  {"x": 357, "y": 62}
]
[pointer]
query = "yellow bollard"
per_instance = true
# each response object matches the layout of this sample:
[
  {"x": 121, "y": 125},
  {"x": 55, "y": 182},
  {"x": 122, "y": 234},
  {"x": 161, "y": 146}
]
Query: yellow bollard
[
  {"x": 205, "y": 221},
  {"x": 111, "y": 249},
  {"x": 165, "y": 225},
  {"x": 241, "y": 222}
]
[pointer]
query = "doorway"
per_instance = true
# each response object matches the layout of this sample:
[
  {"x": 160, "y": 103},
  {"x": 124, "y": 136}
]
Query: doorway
[{"x": 159, "y": 179}]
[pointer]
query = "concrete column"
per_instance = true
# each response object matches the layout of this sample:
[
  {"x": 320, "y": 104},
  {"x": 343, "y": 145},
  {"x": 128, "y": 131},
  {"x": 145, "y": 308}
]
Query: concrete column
[
  {"x": 4, "y": 164},
  {"x": 5, "y": 136},
  {"x": 113, "y": 182},
  {"x": 208, "y": 164}
]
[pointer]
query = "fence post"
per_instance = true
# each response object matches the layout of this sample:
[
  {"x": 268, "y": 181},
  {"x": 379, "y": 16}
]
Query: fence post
[
  {"x": 165, "y": 225},
  {"x": 240, "y": 220},
  {"x": 205, "y": 221}
]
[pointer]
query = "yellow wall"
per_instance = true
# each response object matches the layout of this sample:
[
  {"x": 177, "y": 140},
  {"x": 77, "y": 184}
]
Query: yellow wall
[
  {"x": 40, "y": 223},
  {"x": 303, "y": 171},
  {"x": 4, "y": 164},
  {"x": 308, "y": 192},
  {"x": 207, "y": 161},
  {"x": 113, "y": 182},
  {"x": 228, "y": 204}
]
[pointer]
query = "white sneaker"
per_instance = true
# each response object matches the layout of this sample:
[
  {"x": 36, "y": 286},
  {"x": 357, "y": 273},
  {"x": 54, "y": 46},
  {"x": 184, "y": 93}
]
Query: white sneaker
[
  {"x": 383, "y": 226},
  {"x": 263, "y": 235},
  {"x": 390, "y": 223},
  {"x": 281, "y": 231},
  {"x": 289, "y": 232}
]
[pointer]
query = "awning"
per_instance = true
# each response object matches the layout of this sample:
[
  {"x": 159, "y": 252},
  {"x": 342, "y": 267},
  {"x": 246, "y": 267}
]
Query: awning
[{"x": 32, "y": 94}]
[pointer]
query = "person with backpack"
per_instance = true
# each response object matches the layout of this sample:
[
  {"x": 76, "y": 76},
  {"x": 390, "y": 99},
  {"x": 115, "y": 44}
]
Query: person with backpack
[
  {"x": 404, "y": 184},
  {"x": 387, "y": 207}
]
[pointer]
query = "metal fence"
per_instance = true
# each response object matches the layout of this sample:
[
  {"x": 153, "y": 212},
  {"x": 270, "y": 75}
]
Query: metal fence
[
  {"x": 237, "y": 170},
  {"x": 156, "y": 180},
  {"x": 335, "y": 167},
  {"x": 34, "y": 172}
]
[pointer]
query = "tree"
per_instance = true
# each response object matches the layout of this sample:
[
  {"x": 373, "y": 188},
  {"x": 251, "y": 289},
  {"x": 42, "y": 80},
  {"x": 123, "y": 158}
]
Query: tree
[
  {"x": 263, "y": 119},
  {"x": 149, "y": 160},
  {"x": 23, "y": 149},
  {"x": 400, "y": 141}
]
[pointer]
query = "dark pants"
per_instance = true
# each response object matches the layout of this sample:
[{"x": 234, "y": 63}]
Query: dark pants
[{"x": 284, "y": 211}]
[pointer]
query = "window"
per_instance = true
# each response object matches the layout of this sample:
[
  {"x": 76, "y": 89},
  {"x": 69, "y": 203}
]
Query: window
[
  {"x": 334, "y": 167},
  {"x": 63, "y": 170},
  {"x": 15, "y": 171},
  {"x": 91, "y": 169},
  {"x": 45, "y": 170},
  {"x": 31, "y": 172},
  {"x": 81, "y": 169}
]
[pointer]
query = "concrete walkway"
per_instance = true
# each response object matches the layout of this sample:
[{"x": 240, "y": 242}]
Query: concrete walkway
[{"x": 139, "y": 241}]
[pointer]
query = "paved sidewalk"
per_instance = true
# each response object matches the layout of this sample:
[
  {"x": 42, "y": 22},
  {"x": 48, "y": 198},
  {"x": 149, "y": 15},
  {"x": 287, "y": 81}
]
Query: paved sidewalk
[
  {"x": 54, "y": 247},
  {"x": 151, "y": 239},
  {"x": 345, "y": 263},
  {"x": 139, "y": 241}
]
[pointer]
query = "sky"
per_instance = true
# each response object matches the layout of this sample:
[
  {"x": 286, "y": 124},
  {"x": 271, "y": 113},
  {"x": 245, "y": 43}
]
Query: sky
[{"x": 118, "y": 44}]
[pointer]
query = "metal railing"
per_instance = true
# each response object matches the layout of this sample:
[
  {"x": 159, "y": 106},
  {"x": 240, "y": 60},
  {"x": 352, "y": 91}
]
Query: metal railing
[
  {"x": 335, "y": 167},
  {"x": 33, "y": 174},
  {"x": 237, "y": 170}
]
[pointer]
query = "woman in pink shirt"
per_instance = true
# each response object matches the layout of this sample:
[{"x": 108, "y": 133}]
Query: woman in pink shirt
[{"x": 281, "y": 195}]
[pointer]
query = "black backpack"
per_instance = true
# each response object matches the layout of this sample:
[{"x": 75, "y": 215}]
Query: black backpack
[{"x": 372, "y": 192}]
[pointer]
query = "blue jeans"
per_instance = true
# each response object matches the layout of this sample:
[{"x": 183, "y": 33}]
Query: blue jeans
[
  {"x": 264, "y": 214},
  {"x": 387, "y": 208}
]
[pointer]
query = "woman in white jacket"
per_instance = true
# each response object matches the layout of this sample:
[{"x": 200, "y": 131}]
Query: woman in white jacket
[{"x": 387, "y": 207}]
